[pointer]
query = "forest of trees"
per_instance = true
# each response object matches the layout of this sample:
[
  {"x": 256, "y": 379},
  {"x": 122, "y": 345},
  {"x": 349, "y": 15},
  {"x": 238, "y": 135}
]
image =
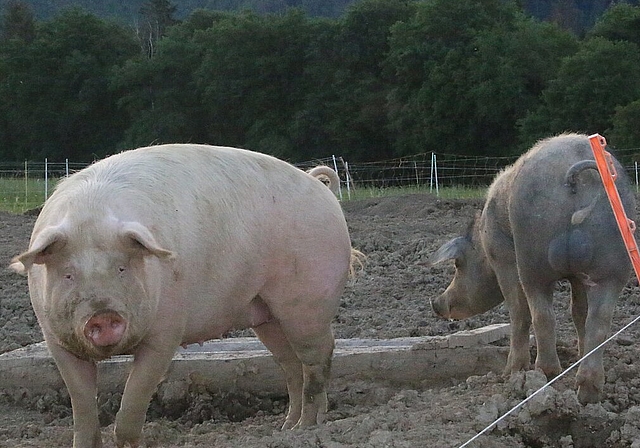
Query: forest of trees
[
  {"x": 575, "y": 15},
  {"x": 387, "y": 78}
]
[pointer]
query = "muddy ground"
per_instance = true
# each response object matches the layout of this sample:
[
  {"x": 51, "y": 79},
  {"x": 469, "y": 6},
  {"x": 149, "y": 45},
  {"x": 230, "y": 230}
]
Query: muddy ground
[{"x": 389, "y": 299}]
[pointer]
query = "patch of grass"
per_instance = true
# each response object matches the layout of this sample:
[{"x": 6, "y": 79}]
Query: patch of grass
[
  {"x": 459, "y": 192},
  {"x": 462, "y": 192},
  {"x": 19, "y": 195}
]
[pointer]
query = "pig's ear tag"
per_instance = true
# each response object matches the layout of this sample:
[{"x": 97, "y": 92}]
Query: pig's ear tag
[
  {"x": 143, "y": 241},
  {"x": 50, "y": 241}
]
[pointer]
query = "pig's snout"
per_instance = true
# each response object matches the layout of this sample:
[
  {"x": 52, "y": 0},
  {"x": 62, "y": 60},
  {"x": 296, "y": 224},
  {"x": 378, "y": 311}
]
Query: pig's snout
[
  {"x": 105, "y": 328},
  {"x": 448, "y": 308},
  {"x": 440, "y": 307}
]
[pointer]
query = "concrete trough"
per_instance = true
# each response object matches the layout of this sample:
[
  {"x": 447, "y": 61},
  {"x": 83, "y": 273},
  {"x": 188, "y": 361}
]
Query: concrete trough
[{"x": 244, "y": 364}]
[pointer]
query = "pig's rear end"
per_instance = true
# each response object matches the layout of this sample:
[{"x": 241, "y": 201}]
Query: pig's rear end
[{"x": 563, "y": 225}]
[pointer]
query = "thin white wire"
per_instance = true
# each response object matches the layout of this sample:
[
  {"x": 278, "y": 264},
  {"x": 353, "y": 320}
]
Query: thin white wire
[{"x": 510, "y": 411}]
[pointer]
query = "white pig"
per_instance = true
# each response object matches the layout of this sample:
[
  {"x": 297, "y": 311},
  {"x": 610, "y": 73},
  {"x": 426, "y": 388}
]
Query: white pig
[
  {"x": 170, "y": 245},
  {"x": 327, "y": 176}
]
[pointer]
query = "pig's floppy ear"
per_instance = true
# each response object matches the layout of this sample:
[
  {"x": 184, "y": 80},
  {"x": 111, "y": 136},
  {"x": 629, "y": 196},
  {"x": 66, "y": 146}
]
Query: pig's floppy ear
[
  {"x": 141, "y": 239},
  {"x": 47, "y": 243},
  {"x": 452, "y": 249}
]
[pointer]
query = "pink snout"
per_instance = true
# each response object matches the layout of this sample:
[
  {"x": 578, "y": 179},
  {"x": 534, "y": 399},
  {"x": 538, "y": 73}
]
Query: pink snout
[{"x": 105, "y": 328}]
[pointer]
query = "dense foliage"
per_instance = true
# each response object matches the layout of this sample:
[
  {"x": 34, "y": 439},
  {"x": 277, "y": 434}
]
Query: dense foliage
[
  {"x": 388, "y": 78},
  {"x": 575, "y": 15}
]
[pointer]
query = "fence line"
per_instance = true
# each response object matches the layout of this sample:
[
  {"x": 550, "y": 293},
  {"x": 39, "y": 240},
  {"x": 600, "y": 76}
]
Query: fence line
[{"x": 435, "y": 170}]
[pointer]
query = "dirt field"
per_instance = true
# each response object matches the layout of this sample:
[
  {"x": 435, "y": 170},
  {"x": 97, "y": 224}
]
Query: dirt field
[{"x": 389, "y": 299}]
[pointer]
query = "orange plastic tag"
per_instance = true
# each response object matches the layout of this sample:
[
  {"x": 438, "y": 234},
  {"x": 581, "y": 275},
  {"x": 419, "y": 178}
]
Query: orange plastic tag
[{"x": 608, "y": 174}]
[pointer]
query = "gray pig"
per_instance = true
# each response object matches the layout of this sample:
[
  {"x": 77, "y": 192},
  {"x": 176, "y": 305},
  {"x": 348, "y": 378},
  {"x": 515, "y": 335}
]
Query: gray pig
[
  {"x": 546, "y": 218},
  {"x": 171, "y": 245}
]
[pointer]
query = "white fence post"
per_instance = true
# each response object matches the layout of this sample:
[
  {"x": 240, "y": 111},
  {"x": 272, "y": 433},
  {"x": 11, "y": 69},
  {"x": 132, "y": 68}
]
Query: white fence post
[
  {"x": 346, "y": 170},
  {"x": 26, "y": 183},
  {"x": 434, "y": 174},
  {"x": 335, "y": 168},
  {"x": 46, "y": 180}
]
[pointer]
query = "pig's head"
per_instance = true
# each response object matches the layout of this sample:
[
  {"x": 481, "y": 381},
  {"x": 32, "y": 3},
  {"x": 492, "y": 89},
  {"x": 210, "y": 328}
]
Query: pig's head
[
  {"x": 474, "y": 288},
  {"x": 99, "y": 283}
]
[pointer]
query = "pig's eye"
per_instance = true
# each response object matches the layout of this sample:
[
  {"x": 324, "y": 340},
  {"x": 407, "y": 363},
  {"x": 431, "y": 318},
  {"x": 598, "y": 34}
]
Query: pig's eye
[
  {"x": 68, "y": 276},
  {"x": 121, "y": 269}
]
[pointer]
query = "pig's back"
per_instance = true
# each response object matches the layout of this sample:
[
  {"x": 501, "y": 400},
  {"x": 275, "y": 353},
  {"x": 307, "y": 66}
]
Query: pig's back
[
  {"x": 543, "y": 207},
  {"x": 182, "y": 172},
  {"x": 540, "y": 189},
  {"x": 195, "y": 195}
]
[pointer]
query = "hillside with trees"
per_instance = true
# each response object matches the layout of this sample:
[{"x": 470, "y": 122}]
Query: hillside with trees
[
  {"x": 387, "y": 78},
  {"x": 126, "y": 11},
  {"x": 574, "y": 15}
]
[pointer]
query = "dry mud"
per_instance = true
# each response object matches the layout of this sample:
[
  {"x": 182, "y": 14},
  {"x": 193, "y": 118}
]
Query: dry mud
[{"x": 389, "y": 299}]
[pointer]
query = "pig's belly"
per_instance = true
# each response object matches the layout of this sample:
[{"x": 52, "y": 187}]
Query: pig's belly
[{"x": 201, "y": 327}]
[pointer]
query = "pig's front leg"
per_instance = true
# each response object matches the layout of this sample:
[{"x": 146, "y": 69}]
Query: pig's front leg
[
  {"x": 80, "y": 378},
  {"x": 149, "y": 366}
]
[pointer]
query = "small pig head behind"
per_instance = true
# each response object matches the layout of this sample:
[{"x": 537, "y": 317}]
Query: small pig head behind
[
  {"x": 98, "y": 280},
  {"x": 474, "y": 288}
]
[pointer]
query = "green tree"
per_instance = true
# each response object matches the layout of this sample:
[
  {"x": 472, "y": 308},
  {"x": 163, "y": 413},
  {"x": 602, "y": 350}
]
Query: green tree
[
  {"x": 249, "y": 79},
  {"x": 156, "y": 18},
  {"x": 596, "y": 91},
  {"x": 344, "y": 108},
  {"x": 54, "y": 91},
  {"x": 620, "y": 22},
  {"x": 219, "y": 78},
  {"x": 465, "y": 72},
  {"x": 18, "y": 22},
  {"x": 159, "y": 95},
  {"x": 590, "y": 85},
  {"x": 626, "y": 132},
  {"x": 506, "y": 76}
]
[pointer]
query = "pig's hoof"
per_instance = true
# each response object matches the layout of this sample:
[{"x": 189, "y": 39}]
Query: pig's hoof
[
  {"x": 550, "y": 370},
  {"x": 301, "y": 424},
  {"x": 128, "y": 430},
  {"x": 288, "y": 424},
  {"x": 589, "y": 393},
  {"x": 130, "y": 444},
  {"x": 517, "y": 363}
]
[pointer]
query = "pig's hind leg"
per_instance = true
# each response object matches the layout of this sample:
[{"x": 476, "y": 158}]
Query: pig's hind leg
[
  {"x": 272, "y": 336},
  {"x": 601, "y": 298},
  {"x": 579, "y": 310},
  {"x": 303, "y": 349}
]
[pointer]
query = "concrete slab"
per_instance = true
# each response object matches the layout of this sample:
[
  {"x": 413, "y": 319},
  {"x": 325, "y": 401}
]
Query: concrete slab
[
  {"x": 479, "y": 336},
  {"x": 245, "y": 364}
]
